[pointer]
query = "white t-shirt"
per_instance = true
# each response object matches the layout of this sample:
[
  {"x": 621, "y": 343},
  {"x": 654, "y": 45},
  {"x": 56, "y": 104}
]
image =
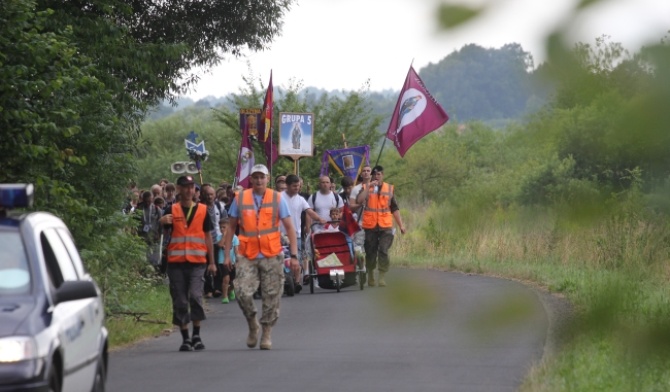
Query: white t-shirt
[
  {"x": 355, "y": 191},
  {"x": 324, "y": 203},
  {"x": 296, "y": 205}
]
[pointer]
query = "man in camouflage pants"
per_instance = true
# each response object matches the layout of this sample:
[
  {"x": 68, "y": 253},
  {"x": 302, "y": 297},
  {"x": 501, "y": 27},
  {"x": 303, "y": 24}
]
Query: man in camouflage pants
[{"x": 257, "y": 212}]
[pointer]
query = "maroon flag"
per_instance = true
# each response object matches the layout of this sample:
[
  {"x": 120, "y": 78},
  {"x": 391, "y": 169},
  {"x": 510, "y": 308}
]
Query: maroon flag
[
  {"x": 348, "y": 223},
  {"x": 416, "y": 114},
  {"x": 245, "y": 160},
  {"x": 265, "y": 137},
  {"x": 266, "y": 113}
]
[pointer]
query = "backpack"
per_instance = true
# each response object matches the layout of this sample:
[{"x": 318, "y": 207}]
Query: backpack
[
  {"x": 337, "y": 198},
  {"x": 223, "y": 213}
]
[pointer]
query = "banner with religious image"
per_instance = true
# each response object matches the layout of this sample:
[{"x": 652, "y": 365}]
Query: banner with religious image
[
  {"x": 346, "y": 161},
  {"x": 296, "y": 134}
]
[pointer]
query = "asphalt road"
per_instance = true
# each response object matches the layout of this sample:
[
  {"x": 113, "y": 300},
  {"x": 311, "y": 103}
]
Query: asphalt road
[{"x": 426, "y": 331}]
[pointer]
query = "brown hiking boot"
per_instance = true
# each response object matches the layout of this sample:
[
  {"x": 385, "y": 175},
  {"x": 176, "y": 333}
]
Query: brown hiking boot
[
  {"x": 371, "y": 278},
  {"x": 382, "y": 281},
  {"x": 266, "y": 342},
  {"x": 252, "y": 339}
]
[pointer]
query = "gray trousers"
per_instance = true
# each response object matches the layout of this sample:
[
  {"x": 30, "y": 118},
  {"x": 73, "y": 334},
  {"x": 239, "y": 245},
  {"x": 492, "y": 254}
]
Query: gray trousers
[
  {"x": 377, "y": 244},
  {"x": 186, "y": 287},
  {"x": 269, "y": 273}
]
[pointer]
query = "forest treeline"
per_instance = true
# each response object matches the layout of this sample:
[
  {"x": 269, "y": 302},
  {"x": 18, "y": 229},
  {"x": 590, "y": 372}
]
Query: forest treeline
[{"x": 494, "y": 85}]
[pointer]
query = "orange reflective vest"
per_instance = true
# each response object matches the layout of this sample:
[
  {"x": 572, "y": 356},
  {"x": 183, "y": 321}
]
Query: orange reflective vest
[
  {"x": 188, "y": 242},
  {"x": 259, "y": 225},
  {"x": 378, "y": 208}
]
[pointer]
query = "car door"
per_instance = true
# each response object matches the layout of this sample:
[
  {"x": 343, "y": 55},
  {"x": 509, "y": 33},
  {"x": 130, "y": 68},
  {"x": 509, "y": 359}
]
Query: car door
[
  {"x": 74, "y": 320},
  {"x": 95, "y": 305}
]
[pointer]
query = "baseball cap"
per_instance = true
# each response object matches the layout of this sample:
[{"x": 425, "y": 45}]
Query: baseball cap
[
  {"x": 185, "y": 180},
  {"x": 260, "y": 169}
]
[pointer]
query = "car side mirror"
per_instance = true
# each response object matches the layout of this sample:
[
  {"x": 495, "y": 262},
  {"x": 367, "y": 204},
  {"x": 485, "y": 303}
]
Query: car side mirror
[{"x": 72, "y": 290}]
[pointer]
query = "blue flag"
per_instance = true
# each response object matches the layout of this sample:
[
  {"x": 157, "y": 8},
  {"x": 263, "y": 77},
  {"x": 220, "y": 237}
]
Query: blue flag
[{"x": 346, "y": 161}]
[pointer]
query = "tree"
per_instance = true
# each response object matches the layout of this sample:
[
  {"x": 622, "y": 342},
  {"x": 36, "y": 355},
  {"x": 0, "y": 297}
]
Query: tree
[
  {"x": 149, "y": 47},
  {"x": 58, "y": 128},
  {"x": 475, "y": 83},
  {"x": 78, "y": 78}
]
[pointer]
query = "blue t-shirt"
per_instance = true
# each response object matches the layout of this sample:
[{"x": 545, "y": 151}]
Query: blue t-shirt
[
  {"x": 284, "y": 211},
  {"x": 233, "y": 257}
]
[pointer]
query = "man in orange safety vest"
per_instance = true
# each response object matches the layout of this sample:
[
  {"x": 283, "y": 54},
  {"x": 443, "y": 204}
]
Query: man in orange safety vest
[{"x": 377, "y": 221}]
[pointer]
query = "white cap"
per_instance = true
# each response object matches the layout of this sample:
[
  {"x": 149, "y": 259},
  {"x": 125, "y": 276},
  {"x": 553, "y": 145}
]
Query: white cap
[{"x": 260, "y": 169}]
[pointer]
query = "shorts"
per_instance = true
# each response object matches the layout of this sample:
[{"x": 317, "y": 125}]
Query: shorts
[{"x": 226, "y": 272}]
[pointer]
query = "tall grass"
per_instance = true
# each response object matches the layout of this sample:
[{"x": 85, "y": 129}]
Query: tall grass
[
  {"x": 137, "y": 302},
  {"x": 612, "y": 266}
]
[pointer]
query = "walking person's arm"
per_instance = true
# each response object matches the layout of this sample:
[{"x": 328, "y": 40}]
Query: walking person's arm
[
  {"x": 293, "y": 243},
  {"x": 314, "y": 216},
  {"x": 233, "y": 221},
  {"x": 395, "y": 210},
  {"x": 211, "y": 263}
]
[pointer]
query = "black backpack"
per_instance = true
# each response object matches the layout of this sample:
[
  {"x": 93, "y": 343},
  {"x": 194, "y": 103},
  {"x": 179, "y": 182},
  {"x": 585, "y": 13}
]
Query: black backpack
[{"x": 337, "y": 199}]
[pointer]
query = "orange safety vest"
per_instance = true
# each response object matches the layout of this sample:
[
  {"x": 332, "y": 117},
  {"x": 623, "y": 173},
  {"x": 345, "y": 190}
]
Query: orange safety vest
[
  {"x": 378, "y": 208},
  {"x": 259, "y": 225},
  {"x": 188, "y": 242}
]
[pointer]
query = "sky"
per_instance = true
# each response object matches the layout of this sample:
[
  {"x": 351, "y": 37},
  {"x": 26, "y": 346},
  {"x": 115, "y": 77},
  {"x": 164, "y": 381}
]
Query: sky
[{"x": 341, "y": 44}]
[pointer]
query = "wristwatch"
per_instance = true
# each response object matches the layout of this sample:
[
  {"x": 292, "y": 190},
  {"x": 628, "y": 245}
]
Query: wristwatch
[{"x": 294, "y": 256}]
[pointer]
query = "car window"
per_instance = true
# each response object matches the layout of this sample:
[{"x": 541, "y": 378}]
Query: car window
[
  {"x": 14, "y": 271},
  {"x": 62, "y": 256},
  {"x": 72, "y": 251},
  {"x": 55, "y": 276}
]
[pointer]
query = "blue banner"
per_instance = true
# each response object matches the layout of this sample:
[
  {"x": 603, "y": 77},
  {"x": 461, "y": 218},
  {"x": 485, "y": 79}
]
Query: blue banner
[{"x": 346, "y": 161}]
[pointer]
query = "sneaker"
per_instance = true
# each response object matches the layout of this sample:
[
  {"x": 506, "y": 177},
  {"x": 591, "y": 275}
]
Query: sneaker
[
  {"x": 197, "y": 343},
  {"x": 217, "y": 294},
  {"x": 305, "y": 280},
  {"x": 225, "y": 300},
  {"x": 231, "y": 295},
  {"x": 297, "y": 288},
  {"x": 186, "y": 345}
]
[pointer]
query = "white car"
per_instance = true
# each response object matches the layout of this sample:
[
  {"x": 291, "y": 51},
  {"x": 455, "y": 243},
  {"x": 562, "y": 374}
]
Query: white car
[{"x": 52, "y": 333}]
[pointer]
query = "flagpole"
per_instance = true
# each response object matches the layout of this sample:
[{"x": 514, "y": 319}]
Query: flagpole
[
  {"x": 380, "y": 151},
  {"x": 236, "y": 178}
]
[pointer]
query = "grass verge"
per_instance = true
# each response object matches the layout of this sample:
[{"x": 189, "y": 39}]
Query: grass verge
[
  {"x": 146, "y": 313},
  {"x": 612, "y": 271}
]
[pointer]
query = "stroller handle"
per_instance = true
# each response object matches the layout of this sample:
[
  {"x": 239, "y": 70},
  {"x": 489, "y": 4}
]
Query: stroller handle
[{"x": 317, "y": 223}]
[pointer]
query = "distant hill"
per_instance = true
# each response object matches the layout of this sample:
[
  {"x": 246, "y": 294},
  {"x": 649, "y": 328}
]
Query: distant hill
[{"x": 473, "y": 83}]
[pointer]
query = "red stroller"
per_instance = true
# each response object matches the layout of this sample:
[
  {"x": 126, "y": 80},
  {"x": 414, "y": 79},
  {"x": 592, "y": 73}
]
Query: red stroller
[{"x": 333, "y": 263}]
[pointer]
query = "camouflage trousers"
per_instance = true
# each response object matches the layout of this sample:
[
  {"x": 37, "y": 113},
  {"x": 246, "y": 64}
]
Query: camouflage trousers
[
  {"x": 377, "y": 244},
  {"x": 269, "y": 273}
]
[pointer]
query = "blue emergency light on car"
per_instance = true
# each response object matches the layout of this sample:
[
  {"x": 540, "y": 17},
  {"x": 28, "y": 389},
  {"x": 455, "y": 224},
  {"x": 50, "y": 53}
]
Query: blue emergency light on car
[{"x": 16, "y": 195}]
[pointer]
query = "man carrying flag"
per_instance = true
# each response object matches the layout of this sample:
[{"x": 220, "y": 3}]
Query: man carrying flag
[
  {"x": 380, "y": 210},
  {"x": 416, "y": 114}
]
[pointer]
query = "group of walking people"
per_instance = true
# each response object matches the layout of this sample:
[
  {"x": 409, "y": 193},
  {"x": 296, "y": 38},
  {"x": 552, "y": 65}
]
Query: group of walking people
[{"x": 254, "y": 257}]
